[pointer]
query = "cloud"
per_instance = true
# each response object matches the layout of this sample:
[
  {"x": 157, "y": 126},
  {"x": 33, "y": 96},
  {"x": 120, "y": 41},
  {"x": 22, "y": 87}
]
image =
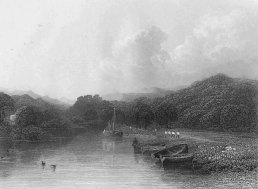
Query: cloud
[
  {"x": 137, "y": 62},
  {"x": 221, "y": 43},
  {"x": 68, "y": 48}
]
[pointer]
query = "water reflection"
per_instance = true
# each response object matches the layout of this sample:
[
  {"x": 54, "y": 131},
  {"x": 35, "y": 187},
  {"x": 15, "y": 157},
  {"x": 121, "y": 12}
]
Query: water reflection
[
  {"x": 21, "y": 154},
  {"x": 89, "y": 161},
  {"x": 108, "y": 145},
  {"x": 137, "y": 157}
]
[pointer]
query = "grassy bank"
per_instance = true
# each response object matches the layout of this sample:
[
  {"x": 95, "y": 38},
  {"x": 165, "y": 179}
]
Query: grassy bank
[{"x": 213, "y": 151}]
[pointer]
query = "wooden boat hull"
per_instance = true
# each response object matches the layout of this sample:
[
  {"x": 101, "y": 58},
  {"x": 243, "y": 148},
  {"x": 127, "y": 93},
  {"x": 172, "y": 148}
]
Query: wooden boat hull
[
  {"x": 177, "y": 149},
  {"x": 182, "y": 158},
  {"x": 113, "y": 133}
]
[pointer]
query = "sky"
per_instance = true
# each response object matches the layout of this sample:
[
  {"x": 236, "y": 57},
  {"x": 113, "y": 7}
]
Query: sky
[{"x": 67, "y": 48}]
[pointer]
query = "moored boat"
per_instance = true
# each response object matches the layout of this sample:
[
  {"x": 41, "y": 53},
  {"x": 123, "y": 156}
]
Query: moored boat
[
  {"x": 111, "y": 130},
  {"x": 114, "y": 133},
  {"x": 179, "y": 158},
  {"x": 173, "y": 150}
]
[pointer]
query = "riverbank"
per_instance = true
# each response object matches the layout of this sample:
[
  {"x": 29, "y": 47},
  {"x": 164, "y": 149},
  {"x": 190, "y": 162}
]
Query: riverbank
[{"x": 213, "y": 151}]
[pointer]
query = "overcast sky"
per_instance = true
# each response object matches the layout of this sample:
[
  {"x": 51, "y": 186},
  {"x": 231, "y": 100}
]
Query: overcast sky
[{"x": 70, "y": 48}]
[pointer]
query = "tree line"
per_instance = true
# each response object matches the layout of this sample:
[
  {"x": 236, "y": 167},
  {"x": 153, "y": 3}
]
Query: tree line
[
  {"x": 35, "y": 119},
  {"x": 216, "y": 103}
]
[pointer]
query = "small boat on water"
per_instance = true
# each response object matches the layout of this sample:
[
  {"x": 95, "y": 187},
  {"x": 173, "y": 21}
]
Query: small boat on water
[
  {"x": 173, "y": 150},
  {"x": 179, "y": 158},
  {"x": 110, "y": 130}
]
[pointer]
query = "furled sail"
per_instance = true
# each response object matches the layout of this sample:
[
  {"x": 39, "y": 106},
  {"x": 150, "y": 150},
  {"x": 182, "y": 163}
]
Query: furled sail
[
  {"x": 109, "y": 127},
  {"x": 114, "y": 120}
]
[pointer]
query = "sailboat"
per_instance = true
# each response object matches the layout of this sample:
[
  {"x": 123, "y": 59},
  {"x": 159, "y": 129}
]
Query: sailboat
[{"x": 111, "y": 130}]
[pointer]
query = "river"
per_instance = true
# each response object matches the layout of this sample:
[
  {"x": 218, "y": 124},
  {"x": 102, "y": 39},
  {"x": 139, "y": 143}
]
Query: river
[{"x": 91, "y": 161}]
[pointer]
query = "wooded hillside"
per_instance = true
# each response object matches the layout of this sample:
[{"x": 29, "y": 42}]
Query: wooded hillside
[{"x": 218, "y": 102}]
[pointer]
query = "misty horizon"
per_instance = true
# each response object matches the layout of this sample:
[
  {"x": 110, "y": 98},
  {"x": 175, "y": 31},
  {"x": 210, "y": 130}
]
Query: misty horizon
[
  {"x": 68, "y": 49},
  {"x": 153, "y": 91}
]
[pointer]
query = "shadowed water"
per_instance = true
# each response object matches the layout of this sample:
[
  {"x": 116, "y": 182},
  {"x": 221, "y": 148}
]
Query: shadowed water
[{"x": 91, "y": 161}]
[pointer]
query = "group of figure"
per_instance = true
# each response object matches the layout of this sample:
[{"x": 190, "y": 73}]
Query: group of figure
[{"x": 172, "y": 134}]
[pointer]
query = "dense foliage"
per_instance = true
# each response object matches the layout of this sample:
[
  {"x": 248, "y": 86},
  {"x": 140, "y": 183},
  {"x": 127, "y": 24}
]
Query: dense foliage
[
  {"x": 35, "y": 119},
  {"x": 218, "y": 103},
  {"x": 91, "y": 109},
  {"x": 26, "y": 100},
  {"x": 6, "y": 106},
  {"x": 33, "y": 123}
]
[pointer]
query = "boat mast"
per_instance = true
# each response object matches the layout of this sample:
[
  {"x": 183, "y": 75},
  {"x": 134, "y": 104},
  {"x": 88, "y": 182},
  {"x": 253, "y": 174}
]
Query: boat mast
[
  {"x": 109, "y": 125},
  {"x": 114, "y": 119}
]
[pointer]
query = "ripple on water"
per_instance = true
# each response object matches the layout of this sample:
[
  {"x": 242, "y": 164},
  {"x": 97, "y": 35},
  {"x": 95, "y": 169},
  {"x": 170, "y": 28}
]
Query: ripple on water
[{"x": 92, "y": 162}]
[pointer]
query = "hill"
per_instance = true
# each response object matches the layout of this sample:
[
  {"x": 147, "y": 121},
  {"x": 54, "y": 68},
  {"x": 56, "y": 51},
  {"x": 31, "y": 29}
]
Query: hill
[
  {"x": 34, "y": 119},
  {"x": 26, "y": 100},
  {"x": 217, "y": 103},
  {"x": 30, "y": 97},
  {"x": 58, "y": 103},
  {"x": 20, "y": 92},
  {"x": 151, "y": 93}
]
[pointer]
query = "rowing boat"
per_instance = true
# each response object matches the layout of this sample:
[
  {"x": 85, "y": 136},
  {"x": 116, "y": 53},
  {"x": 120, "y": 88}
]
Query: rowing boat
[
  {"x": 173, "y": 150},
  {"x": 179, "y": 158}
]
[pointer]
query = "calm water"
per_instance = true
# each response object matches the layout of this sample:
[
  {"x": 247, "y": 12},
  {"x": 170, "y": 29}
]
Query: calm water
[{"x": 89, "y": 161}]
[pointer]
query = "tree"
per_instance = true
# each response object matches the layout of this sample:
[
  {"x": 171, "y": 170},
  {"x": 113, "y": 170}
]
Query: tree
[
  {"x": 28, "y": 115},
  {"x": 191, "y": 117},
  {"x": 142, "y": 112},
  {"x": 211, "y": 119},
  {"x": 32, "y": 133},
  {"x": 6, "y": 103},
  {"x": 6, "y": 100},
  {"x": 165, "y": 113},
  {"x": 235, "y": 117}
]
